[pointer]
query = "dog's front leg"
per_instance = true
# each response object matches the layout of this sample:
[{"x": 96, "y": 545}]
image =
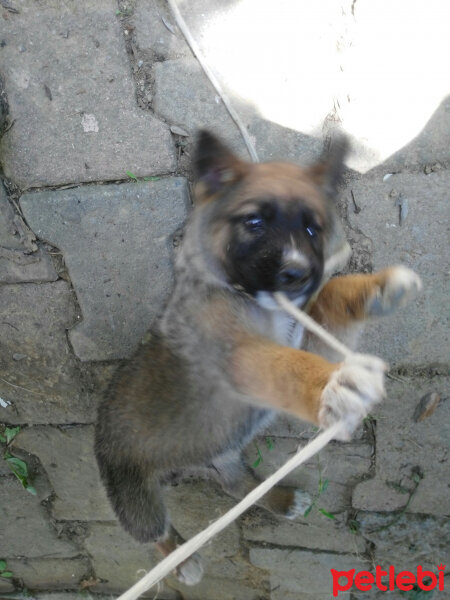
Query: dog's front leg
[
  {"x": 346, "y": 302},
  {"x": 307, "y": 385}
]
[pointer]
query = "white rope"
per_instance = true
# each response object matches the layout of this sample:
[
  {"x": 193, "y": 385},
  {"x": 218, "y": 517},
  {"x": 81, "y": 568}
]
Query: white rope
[
  {"x": 312, "y": 325},
  {"x": 213, "y": 79},
  {"x": 185, "y": 550}
]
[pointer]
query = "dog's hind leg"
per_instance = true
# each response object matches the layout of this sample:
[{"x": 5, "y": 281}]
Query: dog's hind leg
[
  {"x": 138, "y": 503},
  {"x": 238, "y": 480},
  {"x": 189, "y": 571}
]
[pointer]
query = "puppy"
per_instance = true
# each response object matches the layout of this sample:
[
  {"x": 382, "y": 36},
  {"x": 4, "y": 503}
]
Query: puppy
[{"x": 223, "y": 358}]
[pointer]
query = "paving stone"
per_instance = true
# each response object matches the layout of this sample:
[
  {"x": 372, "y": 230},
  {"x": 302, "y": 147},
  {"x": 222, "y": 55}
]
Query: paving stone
[
  {"x": 153, "y": 35},
  {"x": 192, "y": 508},
  {"x": 404, "y": 444},
  {"x": 119, "y": 560},
  {"x": 315, "y": 532},
  {"x": 211, "y": 588},
  {"x": 71, "y": 95},
  {"x": 67, "y": 596},
  {"x": 21, "y": 260},
  {"x": 185, "y": 97},
  {"x": 306, "y": 571},
  {"x": 340, "y": 464},
  {"x": 26, "y": 529},
  {"x": 288, "y": 589},
  {"x": 408, "y": 541},
  {"x": 48, "y": 574},
  {"x": 68, "y": 458},
  {"x": 419, "y": 332},
  {"x": 40, "y": 378},
  {"x": 6, "y": 586},
  {"x": 117, "y": 245}
]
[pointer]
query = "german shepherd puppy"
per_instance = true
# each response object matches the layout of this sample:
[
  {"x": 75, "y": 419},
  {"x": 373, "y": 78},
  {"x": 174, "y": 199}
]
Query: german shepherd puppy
[{"x": 223, "y": 358}]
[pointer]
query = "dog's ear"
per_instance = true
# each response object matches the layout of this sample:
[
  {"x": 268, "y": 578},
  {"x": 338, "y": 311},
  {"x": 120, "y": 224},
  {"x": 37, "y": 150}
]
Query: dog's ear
[
  {"x": 328, "y": 171},
  {"x": 215, "y": 166}
]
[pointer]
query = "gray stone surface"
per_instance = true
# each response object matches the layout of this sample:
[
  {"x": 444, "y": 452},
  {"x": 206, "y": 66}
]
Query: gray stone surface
[
  {"x": 409, "y": 541},
  {"x": 220, "y": 589},
  {"x": 68, "y": 458},
  {"x": 39, "y": 375},
  {"x": 340, "y": 464},
  {"x": 21, "y": 260},
  {"x": 185, "y": 97},
  {"x": 44, "y": 574},
  {"x": 117, "y": 245},
  {"x": 314, "y": 531},
  {"x": 26, "y": 529},
  {"x": 157, "y": 31},
  {"x": 284, "y": 588},
  {"x": 421, "y": 242},
  {"x": 193, "y": 507},
  {"x": 117, "y": 559},
  {"x": 307, "y": 571},
  {"x": 403, "y": 444},
  {"x": 72, "y": 97}
]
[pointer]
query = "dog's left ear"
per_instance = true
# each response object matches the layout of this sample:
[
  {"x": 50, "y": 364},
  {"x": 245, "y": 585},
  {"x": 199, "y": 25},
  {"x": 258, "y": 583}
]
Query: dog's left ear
[
  {"x": 328, "y": 171},
  {"x": 216, "y": 167}
]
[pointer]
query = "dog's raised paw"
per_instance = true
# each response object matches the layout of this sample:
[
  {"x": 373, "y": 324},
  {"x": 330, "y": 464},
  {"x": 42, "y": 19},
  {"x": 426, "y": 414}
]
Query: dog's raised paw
[
  {"x": 400, "y": 286},
  {"x": 351, "y": 391},
  {"x": 190, "y": 572}
]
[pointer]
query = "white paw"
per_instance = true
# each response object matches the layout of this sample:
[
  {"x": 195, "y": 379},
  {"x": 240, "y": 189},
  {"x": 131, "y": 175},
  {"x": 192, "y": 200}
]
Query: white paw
[
  {"x": 302, "y": 501},
  {"x": 401, "y": 286},
  {"x": 351, "y": 392},
  {"x": 190, "y": 572}
]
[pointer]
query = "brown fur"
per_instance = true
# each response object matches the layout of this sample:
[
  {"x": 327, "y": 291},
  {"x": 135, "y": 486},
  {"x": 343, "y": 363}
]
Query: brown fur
[{"x": 220, "y": 362}]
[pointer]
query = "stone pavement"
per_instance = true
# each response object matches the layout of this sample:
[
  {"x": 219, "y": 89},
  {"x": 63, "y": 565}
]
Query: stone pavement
[{"x": 95, "y": 99}]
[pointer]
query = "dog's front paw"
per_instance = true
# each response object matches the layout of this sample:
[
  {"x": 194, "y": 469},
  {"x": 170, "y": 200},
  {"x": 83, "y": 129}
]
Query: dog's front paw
[
  {"x": 190, "y": 572},
  {"x": 353, "y": 388},
  {"x": 399, "y": 287}
]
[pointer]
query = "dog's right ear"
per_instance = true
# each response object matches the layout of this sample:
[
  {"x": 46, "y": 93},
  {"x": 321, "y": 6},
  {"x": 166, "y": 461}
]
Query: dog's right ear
[{"x": 216, "y": 167}]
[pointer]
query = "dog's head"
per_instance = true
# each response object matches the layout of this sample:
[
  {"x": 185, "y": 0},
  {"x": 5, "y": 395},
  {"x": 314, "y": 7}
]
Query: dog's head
[{"x": 271, "y": 226}]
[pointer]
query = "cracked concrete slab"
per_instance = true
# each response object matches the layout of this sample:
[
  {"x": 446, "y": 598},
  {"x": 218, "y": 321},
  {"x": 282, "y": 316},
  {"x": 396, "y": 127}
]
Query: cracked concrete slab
[
  {"x": 117, "y": 559},
  {"x": 45, "y": 574},
  {"x": 315, "y": 531},
  {"x": 40, "y": 377},
  {"x": 117, "y": 246},
  {"x": 26, "y": 530},
  {"x": 67, "y": 456},
  {"x": 418, "y": 241},
  {"x": 303, "y": 569},
  {"x": 404, "y": 444},
  {"x": 21, "y": 260},
  {"x": 157, "y": 31},
  {"x": 409, "y": 541},
  {"x": 72, "y": 99}
]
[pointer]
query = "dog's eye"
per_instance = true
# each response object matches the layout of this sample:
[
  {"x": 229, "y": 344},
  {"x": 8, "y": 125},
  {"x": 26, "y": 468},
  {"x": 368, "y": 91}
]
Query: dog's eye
[
  {"x": 313, "y": 231},
  {"x": 253, "y": 223}
]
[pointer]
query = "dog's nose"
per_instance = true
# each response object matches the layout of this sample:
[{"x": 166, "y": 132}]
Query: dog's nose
[{"x": 292, "y": 277}]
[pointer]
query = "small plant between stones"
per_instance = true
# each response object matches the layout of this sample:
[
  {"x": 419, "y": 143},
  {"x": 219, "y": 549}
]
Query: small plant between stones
[
  {"x": 4, "y": 571},
  {"x": 321, "y": 489},
  {"x": 18, "y": 466},
  {"x": 135, "y": 178}
]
